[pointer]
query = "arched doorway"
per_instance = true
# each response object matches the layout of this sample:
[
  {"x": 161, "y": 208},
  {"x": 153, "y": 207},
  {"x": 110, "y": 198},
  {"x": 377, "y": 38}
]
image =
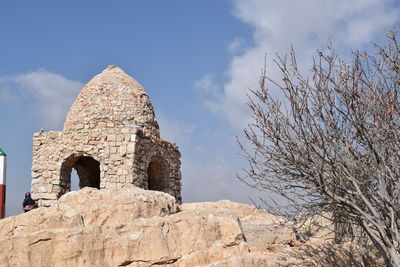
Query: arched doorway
[
  {"x": 157, "y": 174},
  {"x": 87, "y": 168}
]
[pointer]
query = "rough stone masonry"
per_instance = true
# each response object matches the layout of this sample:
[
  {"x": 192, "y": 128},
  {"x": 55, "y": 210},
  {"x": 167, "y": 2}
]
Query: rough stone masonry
[{"x": 111, "y": 138}]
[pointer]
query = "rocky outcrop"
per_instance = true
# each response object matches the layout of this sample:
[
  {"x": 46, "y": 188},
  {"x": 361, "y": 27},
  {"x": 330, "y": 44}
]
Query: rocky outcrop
[{"x": 135, "y": 227}]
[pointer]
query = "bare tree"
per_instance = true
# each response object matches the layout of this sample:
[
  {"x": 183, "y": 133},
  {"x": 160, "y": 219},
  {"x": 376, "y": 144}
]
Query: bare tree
[{"x": 332, "y": 143}]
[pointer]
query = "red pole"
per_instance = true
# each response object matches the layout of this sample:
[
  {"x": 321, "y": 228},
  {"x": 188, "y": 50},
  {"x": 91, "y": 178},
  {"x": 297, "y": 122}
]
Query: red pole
[{"x": 2, "y": 201}]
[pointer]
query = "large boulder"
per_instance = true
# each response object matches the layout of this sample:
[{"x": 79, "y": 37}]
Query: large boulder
[
  {"x": 135, "y": 227},
  {"x": 90, "y": 206},
  {"x": 260, "y": 229}
]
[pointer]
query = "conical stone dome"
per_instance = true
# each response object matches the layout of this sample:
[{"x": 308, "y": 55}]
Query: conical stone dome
[{"x": 112, "y": 99}]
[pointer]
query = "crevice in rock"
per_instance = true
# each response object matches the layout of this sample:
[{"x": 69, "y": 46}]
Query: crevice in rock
[
  {"x": 169, "y": 261},
  {"x": 241, "y": 229},
  {"x": 40, "y": 240},
  {"x": 125, "y": 263},
  {"x": 82, "y": 221},
  {"x": 13, "y": 227},
  {"x": 165, "y": 234},
  {"x": 232, "y": 244}
]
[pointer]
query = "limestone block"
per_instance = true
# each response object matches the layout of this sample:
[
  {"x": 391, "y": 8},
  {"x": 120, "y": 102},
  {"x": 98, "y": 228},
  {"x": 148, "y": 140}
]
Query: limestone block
[
  {"x": 52, "y": 167},
  {"x": 49, "y": 188},
  {"x": 125, "y": 130},
  {"x": 94, "y": 134},
  {"x": 56, "y": 189},
  {"x": 114, "y": 157},
  {"x": 55, "y": 182},
  {"x": 111, "y": 137},
  {"x": 130, "y": 148},
  {"x": 35, "y": 168},
  {"x": 35, "y": 174},
  {"x": 122, "y": 149},
  {"x": 128, "y": 163},
  {"x": 36, "y": 181},
  {"x": 42, "y": 189},
  {"x": 46, "y": 174},
  {"x": 47, "y": 202},
  {"x": 44, "y": 196},
  {"x": 101, "y": 124},
  {"x": 87, "y": 148}
]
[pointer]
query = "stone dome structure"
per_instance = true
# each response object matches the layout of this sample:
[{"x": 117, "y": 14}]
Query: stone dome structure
[
  {"x": 112, "y": 98},
  {"x": 111, "y": 138}
]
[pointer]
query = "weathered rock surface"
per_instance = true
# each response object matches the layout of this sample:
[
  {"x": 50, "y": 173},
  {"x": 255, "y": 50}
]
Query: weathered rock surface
[{"x": 134, "y": 227}]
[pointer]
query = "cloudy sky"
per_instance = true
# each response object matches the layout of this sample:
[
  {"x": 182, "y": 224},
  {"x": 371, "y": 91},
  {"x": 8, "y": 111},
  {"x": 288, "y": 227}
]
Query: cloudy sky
[{"x": 196, "y": 59}]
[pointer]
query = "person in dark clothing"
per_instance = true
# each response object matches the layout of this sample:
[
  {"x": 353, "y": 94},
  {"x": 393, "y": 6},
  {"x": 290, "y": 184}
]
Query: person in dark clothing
[{"x": 28, "y": 203}]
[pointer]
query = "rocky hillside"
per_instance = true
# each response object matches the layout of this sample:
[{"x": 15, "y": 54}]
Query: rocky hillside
[{"x": 134, "y": 227}]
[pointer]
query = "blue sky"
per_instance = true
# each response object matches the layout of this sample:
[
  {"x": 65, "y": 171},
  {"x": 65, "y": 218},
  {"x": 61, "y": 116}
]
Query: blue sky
[{"x": 196, "y": 60}]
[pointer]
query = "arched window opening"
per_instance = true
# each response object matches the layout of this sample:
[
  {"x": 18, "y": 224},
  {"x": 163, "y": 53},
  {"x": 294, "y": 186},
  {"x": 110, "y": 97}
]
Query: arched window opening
[
  {"x": 157, "y": 176},
  {"x": 87, "y": 169}
]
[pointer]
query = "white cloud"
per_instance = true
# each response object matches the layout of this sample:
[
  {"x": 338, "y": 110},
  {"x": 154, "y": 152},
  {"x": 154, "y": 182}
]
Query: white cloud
[
  {"x": 207, "y": 85},
  {"x": 49, "y": 95},
  {"x": 213, "y": 181},
  {"x": 174, "y": 131},
  {"x": 308, "y": 25},
  {"x": 237, "y": 46}
]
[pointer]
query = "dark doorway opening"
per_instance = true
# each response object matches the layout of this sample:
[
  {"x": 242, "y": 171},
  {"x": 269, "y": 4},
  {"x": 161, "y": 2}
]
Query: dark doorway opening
[
  {"x": 157, "y": 176},
  {"x": 87, "y": 169}
]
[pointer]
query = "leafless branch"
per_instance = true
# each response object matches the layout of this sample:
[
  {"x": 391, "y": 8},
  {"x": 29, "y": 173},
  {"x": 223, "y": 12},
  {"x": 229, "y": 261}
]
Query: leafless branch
[{"x": 332, "y": 144}]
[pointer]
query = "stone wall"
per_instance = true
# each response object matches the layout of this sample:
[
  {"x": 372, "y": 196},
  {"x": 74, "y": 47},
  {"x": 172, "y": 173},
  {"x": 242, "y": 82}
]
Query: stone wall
[
  {"x": 123, "y": 154},
  {"x": 156, "y": 154}
]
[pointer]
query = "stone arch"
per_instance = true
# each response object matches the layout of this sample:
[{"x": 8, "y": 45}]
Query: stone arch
[
  {"x": 158, "y": 175},
  {"x": 87, "y": 168}
]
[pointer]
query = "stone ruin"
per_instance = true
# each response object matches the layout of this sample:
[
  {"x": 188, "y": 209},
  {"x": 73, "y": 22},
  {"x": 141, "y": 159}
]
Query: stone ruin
[{"x": 111, "y": 138}]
